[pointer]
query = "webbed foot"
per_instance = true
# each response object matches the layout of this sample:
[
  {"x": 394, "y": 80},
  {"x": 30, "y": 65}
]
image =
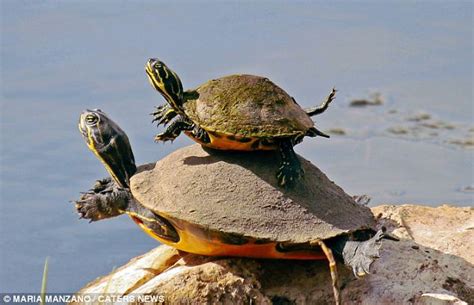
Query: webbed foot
[
  {"x": 89, "y": 206},
  {"x": 360, "y": 255},
  {"x": 104, "y": 200},
  {"x": 163, "y": 115}
]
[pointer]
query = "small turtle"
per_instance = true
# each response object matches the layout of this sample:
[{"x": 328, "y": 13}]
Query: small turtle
[
  {"x": 227, "y": 203},
  {"x": 236, "y": 112}
]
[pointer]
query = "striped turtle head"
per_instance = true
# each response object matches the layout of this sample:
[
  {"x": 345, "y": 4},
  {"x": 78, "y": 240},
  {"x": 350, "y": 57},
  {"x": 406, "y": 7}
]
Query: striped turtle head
[
  {"x": 110, "y": 144},
  {"x": 165, "y": 81}
]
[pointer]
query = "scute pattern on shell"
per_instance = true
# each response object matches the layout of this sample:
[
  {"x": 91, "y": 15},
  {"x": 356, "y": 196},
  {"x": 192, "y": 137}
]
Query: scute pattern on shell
[
  {"x": 230, "y": 192},
  {"x": 247, "y": 105}
]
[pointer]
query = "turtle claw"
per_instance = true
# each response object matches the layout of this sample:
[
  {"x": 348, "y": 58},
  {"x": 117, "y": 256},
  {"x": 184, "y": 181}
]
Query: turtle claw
[
  {"x": 163, "y": 115},
  {"x": 163, "y": 137},
  {"x": 104, "y": 200},
  {"x": 162, "y": 120},
  {"x": 88, "y": 207},
  {"x": 158, "y": 111},
  {"x": 175, "y": 129},
  {"x": 360, "y": 255}
]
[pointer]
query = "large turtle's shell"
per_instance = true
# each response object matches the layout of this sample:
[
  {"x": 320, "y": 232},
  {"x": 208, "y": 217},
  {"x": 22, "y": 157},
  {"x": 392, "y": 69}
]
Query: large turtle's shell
[
  {"x": 237, "y": 192},
  {"x": 246, "y": 105}
]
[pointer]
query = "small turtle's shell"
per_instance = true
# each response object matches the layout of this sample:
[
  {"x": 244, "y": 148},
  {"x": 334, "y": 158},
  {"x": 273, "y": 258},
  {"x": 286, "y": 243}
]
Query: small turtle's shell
[
  {"x": 247, "y": 106},
  {"x": 234, "y": 195}
]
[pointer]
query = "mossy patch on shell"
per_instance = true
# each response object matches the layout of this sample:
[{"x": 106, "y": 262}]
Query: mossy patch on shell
[{"x": 247, "y": 106}]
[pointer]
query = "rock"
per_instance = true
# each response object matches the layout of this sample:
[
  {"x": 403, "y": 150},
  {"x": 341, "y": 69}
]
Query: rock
[
  {"x": 406, "y": 270},
  {"x": 440, "y": 299},
  {"x": 135, "y": 273},
  {"x": 446, "y": 228},
  {"x": 464, "y": 143},
  {"x": 419, "y": 117},
  {"x": 398, "y": 130},
  {"x": 430, "y": 265},
  {"x": 376, "y": 100},
  {"x": 337, "y": 131}
]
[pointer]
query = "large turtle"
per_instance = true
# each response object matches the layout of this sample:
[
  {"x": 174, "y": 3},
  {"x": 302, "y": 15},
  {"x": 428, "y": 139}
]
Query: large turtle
[
  {"x": 236, "y": 112},
  {"x": 227, "y": 203}
]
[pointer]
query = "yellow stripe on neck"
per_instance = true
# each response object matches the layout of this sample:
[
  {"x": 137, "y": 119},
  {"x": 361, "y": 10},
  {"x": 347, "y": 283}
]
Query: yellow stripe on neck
[{"x": 91, "y": 145}]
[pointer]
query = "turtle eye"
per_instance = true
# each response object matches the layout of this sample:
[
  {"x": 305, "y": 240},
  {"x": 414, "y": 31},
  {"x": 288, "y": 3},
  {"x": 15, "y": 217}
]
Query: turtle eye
[
  {"x": 91, "y": 119},
  {"x": 158, "y": 66}
]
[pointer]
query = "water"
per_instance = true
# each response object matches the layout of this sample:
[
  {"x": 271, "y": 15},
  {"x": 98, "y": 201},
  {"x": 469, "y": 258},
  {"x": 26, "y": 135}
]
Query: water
[{"x": 59, "y": 58}]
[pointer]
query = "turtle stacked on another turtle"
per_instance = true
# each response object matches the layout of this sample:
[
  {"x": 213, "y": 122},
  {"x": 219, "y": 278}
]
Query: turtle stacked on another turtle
[
  {"x": 228, "y": 203},
  {"x": 236, "y": 112}
]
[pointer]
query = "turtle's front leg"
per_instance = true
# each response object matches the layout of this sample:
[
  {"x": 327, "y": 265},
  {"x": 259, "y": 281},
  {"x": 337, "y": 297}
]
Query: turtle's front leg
[
  {"x": 163, "y": 114},
  {"x": 290, "y": 170},
  {"x": 174, "y": 130},
  {"x": 105, "y": 200}
]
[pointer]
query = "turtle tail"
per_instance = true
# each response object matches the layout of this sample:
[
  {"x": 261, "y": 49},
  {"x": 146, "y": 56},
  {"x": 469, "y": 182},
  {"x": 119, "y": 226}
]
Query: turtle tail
[{"x": 314, "y": 132}]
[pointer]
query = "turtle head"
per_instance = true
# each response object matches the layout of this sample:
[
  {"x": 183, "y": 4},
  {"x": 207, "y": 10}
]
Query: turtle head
[
  {"x": 165, "y": 81},
  {"x": 110, "y": 144}
]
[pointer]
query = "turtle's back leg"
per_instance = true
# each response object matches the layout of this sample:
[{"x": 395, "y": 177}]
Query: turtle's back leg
[
  {"x": 290, "y": 170},
  {"x": 359, "y": 255},
  {"x": 321, "y": 108}
]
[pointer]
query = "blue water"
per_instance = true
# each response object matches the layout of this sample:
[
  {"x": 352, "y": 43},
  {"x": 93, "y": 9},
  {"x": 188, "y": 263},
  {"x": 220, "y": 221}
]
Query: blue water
[{"x": 58, "y": 58}]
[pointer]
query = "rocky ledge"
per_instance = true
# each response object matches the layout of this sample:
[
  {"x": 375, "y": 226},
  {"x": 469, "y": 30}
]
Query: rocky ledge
[{"x": 431, "y": 264}]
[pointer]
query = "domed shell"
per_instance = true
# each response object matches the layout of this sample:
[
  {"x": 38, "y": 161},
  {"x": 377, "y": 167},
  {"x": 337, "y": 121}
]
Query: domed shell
[
  {"x": 231, "y": 192},
  {"x": 247, "y": 106}
]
